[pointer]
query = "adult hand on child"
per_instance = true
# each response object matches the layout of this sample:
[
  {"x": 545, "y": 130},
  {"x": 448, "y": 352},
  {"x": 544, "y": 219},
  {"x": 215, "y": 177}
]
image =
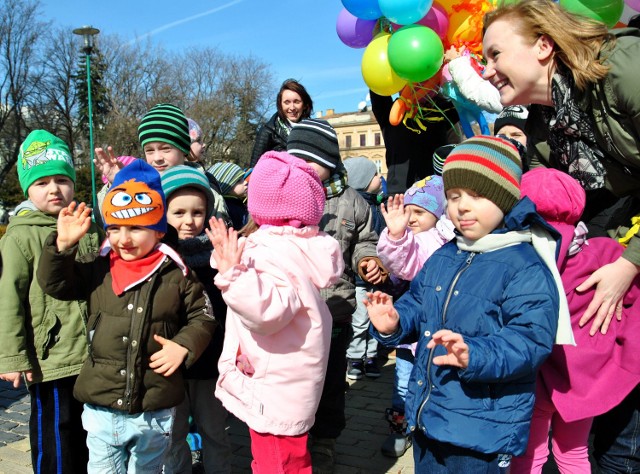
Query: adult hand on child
[
  {"x": 16, "y": 377},
  {"x": 226, "y": 249},
  {"x": 107, "y": 163},
  {"x": 382, "y": 314},
  {"x": 168, "y": 359},
  {"x": 73, "y": 222},
  {"x": 396, "y": 216},
  {"x": 612, "y": 280},
  {"x": 457, "y": 349}
]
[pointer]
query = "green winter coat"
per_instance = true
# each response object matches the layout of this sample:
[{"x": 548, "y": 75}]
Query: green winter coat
[
  {"x": 614, "y": 103},
  {"x": 38, "y": 332}
]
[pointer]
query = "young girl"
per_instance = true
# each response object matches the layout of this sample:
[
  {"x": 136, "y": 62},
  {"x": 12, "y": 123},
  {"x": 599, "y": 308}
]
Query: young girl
[
  {"x": 416, "y": 227},
  {"x": 578, "y": 382},
  {"x": 277, "y": 322}
]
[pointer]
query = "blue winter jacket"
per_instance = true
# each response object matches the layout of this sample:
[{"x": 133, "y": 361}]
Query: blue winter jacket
[{"x": 504, "y": 303}]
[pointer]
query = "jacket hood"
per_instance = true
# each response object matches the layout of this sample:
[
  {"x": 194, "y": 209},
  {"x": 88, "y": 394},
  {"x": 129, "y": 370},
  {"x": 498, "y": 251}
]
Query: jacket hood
[
  {"x": 523, "y": 216},
  {"x": 34, "y": 217},
  {"x": 306, "y": 249}
]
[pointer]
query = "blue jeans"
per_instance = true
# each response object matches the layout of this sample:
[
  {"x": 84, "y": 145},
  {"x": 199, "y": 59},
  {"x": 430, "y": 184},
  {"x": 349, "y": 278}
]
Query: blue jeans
[
  {"x": 362, "y": 345},
  {"x": 436, "y": 457},
  {"x": 404, "y": 366},
  {"x": 617, "y": 436},
  {"x": 120, "y": 443}
]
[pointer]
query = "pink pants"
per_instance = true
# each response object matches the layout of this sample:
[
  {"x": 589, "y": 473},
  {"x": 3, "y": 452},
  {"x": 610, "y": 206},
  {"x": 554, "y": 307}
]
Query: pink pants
[
  {"x": 274, "y": 454},
  {"x": 569, "y": 442}
]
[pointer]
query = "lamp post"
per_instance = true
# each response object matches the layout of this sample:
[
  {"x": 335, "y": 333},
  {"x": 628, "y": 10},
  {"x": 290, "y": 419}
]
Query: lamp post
[{"x": 87, "y": 33}]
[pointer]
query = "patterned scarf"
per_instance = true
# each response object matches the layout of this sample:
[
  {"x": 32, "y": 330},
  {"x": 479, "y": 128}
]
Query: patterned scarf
[
  {"x": 282, "y": 127},
  {"x": 571, "y": 135},
  {"x": 334, "y": 186}
]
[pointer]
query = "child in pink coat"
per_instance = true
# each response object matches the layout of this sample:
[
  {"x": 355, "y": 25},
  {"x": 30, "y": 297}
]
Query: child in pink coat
[
  {"x": 577, "y": 383},
  {"x": 278, "y": 332}
]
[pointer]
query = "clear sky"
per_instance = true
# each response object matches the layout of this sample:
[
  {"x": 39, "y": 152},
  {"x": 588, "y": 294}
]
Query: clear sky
[{"x": 297, "y": 38}]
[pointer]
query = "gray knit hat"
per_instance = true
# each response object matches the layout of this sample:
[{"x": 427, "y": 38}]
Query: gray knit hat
[
  {"x": 165, "y": 123},
  {"x": 360, "y": 171},
  {"x": 315, "y": 140}
]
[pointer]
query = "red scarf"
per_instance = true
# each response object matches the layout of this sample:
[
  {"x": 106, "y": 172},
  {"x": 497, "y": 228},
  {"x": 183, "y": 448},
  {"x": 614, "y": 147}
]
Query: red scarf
[{"x": 125, "y": 274}]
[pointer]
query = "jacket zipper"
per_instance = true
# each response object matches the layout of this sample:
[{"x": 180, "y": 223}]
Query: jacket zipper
[
  {"x": 467, "y": 263},
  {"x": 130, "y": 359}
]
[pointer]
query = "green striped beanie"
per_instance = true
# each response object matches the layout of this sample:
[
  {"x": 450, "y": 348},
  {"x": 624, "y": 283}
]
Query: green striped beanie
[
  {"x": 184, "y": 176},
  {"x": 227, "y": 174},
  {"x": 490, "y": 166},
  {"x": 165, "y": 123}
]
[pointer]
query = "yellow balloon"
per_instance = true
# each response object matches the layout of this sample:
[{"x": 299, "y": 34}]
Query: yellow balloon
[{"x": 376, "y": 70}]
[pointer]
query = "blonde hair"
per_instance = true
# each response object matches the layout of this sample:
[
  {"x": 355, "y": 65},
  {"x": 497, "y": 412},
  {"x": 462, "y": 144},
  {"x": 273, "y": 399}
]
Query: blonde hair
[{"x": 578, "y": 40}]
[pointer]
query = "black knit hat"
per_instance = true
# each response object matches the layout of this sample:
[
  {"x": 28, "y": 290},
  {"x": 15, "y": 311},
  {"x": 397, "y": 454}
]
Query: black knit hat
[
  {"x": 315, "y": 140},
  {"x": 515, "y": 115},
  {"x": 165, "y": 123}
]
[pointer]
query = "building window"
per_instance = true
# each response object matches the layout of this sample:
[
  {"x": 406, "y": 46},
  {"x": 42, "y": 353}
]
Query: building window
[
  {"x": 347, "y": 141},
  {"x": 378, "y": 164},
  {"x": 363, "y": 140}
]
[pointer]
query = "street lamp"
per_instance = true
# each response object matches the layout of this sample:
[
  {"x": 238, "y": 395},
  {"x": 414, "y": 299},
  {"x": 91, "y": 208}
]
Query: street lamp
[{"x": 87, "y": 33}]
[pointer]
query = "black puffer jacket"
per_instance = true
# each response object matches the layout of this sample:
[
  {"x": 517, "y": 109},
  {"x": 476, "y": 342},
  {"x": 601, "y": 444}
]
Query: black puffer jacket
[{"x": 272, "y": 135}]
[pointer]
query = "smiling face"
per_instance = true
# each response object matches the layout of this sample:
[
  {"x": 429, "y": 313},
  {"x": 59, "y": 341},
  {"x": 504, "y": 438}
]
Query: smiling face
[
  {"x": 132, "y": 203},
  {"x": 518, "y": 67},
  {"x": 187, "y": 212},
  {"x": 132, "y": 242},
  {"x": 51, "y": 194},
  {"x": 162, "y": 156},
  {"x": 473, "y": 215},
  {"x": 292, "y": 105},
  {"x": 420, "y": 219}
]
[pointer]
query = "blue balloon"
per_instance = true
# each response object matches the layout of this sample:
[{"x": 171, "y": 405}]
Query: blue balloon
[
  {"x": 404, "y": 12},
  {"x": 364, "y": 9}
]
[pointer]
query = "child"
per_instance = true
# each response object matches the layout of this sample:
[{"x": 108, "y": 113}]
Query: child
[
  {"x": 233, "y": 187},
  {"x": 416, "y": 227},
  {"x": 483, "y": 311},
  {"x": 147, "y": 315},
  {"x": 362, "y": 352},
  {"x": 190, "y": 204},
  {"x": 108, "y": 169},
  {"x": 348, "y": 219},
  {"x": 577, "y": 383},
  {"x": 510, "y": 123},
  {"x": 278, "y": 326},
  {"x": 44, "y": 338},
  {"x": 198, "y": 147}
]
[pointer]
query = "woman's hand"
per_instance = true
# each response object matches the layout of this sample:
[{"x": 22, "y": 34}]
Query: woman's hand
[
  {"x": 613, "y": 281},
  {"x": 396, "y": 216}
]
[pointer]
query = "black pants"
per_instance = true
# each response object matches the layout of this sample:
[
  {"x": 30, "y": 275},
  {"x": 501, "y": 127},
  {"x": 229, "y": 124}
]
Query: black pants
[
  {"x": 330, "y": 416},
  {"x": 58, "y": 441}
]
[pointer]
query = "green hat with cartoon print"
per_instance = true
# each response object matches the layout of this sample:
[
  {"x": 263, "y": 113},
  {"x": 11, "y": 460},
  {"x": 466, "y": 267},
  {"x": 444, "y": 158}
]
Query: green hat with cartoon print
[{"x": 43, "y": 154}]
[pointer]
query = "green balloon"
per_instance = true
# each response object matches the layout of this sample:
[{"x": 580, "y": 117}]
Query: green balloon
[
  {"x": 606, "y": 11},
  {"x": 415, "y": 52}
]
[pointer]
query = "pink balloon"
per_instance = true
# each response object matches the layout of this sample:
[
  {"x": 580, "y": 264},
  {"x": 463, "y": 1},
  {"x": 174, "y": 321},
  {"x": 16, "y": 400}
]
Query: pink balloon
[
  {"x": 634, "y": 4},
  {"x": 353, "y": 31},
  {"x": 438, "y": 20}
]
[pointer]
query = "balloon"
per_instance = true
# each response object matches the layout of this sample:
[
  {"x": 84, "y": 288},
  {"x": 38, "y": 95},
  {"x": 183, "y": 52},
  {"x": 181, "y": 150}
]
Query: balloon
[
  {"x": 415, "y": 52},
  {"x": 606, "y": 11},
  {"x": 404, "y": 12},
  {"x": 437, "y": 19},
  {"x": 376, "y": 70},
  {"x": 634, "y": 4},
  {"x": 365, "y": 9},
  {"x": 353, "y": 31}
]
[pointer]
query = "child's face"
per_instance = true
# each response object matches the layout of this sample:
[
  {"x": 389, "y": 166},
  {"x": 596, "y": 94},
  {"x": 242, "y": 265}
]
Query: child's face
[
  {"x": 514, "y": 132},
  {"x": 197, "y": 150},
  {"x": 162, "y": 156},
  {"x": 51, "y": 194},
  {"x": 240, "y": 188},
  {"x": 420, "y": 219},
  {"x": 375, "y": 185},
  {"x": 187, "y": 212},
  {"x": 473, "y": 215},
  {"x": 323, "y": 173},
  {"x": 132, "y": 242}
]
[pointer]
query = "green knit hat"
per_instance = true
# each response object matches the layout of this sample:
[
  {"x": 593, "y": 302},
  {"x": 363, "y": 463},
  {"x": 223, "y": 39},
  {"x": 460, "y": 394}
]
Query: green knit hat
[
  {"x": 165, "y": 123},
  {"x": 43, "y": 154},
  {"x": 184, "y": 176},
  {"x": 487, "y": 165},
  {"x": 227, "y": 174}
]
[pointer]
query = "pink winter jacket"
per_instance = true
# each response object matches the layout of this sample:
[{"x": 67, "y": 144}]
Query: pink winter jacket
[
  {"x": 279, "y": 324},
  {"x": 406, "y": 256}
]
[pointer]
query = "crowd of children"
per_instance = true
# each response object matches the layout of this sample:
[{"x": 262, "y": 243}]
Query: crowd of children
[{"x": 201, "y": 293}]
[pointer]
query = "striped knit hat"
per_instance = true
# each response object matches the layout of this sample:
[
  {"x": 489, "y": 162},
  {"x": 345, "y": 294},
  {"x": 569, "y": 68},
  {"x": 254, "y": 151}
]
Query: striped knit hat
[
  {"x": 228, "y": 175},
  {"x": 439, "y": 157},
  {"x": 183, "y": 176},
  {"x": 165, "y": 123},
  {"x": 490, "y": 166},
  {"x": 315, "y": 140}
]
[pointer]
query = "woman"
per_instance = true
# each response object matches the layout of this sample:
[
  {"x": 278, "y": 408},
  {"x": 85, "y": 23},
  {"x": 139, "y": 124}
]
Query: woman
[
  {"x": 294, "y": 104},
  {"x": 582, "y": 83}
]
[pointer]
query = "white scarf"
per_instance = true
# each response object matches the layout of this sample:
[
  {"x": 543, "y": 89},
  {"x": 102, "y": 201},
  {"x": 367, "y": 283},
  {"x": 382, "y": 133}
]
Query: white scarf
[{"x": 545, "y": 246}]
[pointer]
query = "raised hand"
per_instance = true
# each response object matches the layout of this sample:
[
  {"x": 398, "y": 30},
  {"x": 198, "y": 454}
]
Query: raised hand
[
  {"x": 396, "y": 216},
  {"x": 382, "y": 314},
  {"x": 168, "y": 359},
  {"x": 227, "y": 252},
  {"x": 457, "y": 349},
  {"x": 107, "y": 162},
  {"x": 73, "y": 223}
]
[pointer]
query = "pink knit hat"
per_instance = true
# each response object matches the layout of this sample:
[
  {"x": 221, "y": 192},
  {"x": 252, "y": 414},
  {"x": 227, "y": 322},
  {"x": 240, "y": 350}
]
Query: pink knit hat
[
  {"x": 125, "y": 160},
  {"x": 284, "y": 190}
]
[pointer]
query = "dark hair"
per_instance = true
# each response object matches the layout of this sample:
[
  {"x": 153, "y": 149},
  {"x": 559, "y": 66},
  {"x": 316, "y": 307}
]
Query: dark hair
[
  {"x": 634, "y": 21},
  {"x": 295, "y": 86}
]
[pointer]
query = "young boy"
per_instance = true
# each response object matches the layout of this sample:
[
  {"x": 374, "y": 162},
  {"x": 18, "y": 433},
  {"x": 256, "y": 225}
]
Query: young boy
[
  {"x": 233, "y": 185},
  {"x": 347, "y": 218},
  {"x": 190, "y": 204},
  {"x": 483, "y": 311},
  {"x": 44, "y": 338},
  {"x": 147, "y": 315},
  {"x": 510, "y": 123}
]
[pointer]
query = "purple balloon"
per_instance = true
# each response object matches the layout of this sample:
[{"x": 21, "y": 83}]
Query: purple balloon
[
  {"x": 437, "y": 19},
  {"x": 353, "y": 31},
  {"x": 634, "y": 4}
]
